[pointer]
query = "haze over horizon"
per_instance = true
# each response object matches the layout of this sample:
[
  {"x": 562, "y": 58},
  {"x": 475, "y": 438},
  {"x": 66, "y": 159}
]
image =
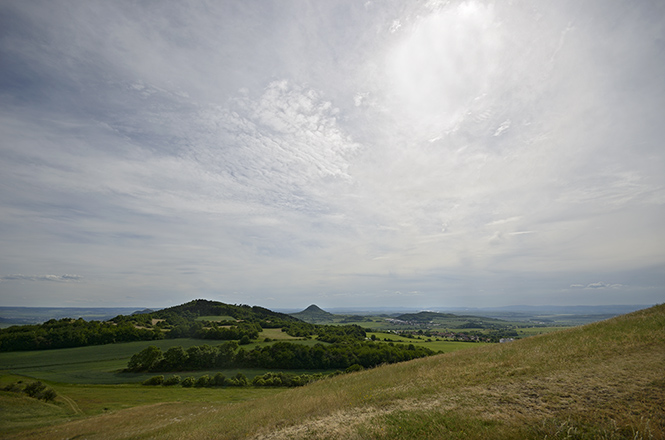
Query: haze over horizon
[{"x": 338, "y": 153}]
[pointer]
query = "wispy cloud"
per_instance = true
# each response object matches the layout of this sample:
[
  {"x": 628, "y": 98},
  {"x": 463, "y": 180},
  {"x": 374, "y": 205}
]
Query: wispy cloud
[
  {"x": 597, "y": 285},
  {"x": 67, "y": 278}
]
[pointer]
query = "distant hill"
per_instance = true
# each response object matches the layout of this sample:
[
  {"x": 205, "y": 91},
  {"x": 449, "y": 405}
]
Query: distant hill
[
  {"x": 143, "y": 312},
  {"x": 451, "y": 320},
  {"x": 36, "y": 315},
  {"x": 314, "y": 315},
  {"x": 428, "y": 316},
  {"x": 204, "y": 307}
]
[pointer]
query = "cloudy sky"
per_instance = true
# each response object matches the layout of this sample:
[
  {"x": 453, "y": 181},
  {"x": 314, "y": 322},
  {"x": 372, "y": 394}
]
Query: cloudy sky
[{"x": 343, "y": 153}]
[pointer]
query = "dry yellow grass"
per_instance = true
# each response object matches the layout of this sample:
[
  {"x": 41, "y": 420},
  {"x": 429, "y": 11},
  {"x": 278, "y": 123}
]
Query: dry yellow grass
[{"x": 604, "y": 380}]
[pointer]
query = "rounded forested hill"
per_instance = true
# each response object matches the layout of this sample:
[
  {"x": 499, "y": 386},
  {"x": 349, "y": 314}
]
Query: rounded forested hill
[{"x": 204, "y": 307}]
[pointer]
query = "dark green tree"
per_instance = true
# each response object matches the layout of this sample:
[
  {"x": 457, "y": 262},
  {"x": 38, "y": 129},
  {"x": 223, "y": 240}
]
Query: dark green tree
[{"x": 146, "y": 359}]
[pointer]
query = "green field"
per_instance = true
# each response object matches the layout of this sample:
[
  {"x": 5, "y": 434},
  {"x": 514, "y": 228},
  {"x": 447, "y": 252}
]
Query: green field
[
  {"x": 431, "y": 343},
  {"x": 102, "y": 364}
]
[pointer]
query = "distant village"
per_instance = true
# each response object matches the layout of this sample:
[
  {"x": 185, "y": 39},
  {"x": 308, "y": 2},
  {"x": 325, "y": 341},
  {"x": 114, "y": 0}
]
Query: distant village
[{"x": 447, "y": 335}]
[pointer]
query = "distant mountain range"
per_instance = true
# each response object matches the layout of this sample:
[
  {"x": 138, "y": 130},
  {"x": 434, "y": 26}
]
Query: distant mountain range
[
  {"x": 36, "y": 315},
  {"x": 544, "y": 309},
  {"x": 313, "y": 313}
]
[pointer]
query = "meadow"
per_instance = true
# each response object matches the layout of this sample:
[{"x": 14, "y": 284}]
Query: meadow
[{"x": 432, "y": 343}]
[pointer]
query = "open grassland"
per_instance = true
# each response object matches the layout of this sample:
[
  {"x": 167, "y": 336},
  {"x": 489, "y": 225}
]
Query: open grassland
[{"x": 604, "y": 380}]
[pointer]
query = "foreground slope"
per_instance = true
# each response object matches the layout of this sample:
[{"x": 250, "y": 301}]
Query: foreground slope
[{"x": 603, "y": 380}]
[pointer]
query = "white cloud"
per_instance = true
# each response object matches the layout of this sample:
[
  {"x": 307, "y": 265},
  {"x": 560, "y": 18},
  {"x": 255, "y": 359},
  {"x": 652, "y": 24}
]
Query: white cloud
[
  {"x": 505, "y": 125},
  {"x": 600, "y": 285},
  {"x": 597, "y": 285},
  {"x": 67, "y": 278}
]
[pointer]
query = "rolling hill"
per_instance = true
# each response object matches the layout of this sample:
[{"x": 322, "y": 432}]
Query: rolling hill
[
  {"x": 314, "y": 314},
  {"x": 602, "y": 380}
]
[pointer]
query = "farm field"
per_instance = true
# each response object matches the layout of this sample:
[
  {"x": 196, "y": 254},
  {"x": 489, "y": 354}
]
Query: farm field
[
  {"x": 102, "y": 364},
  {"x": 432, "y": 344},
  {"x": 99, "y": 364}
]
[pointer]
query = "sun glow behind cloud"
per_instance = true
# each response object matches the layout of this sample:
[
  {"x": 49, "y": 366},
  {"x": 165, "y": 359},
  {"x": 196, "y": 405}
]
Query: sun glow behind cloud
[{"x": 445, "y": 62}]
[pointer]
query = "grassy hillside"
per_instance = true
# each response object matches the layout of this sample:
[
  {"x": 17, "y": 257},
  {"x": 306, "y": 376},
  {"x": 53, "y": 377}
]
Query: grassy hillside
[{"x": 603, "y": 380}]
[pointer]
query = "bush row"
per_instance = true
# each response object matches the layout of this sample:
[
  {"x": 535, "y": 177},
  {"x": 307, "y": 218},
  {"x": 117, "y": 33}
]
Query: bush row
[
  {"x": 36, "y": 390},
  {"x": 269, "y": 379},
  {"x": 205, "y": 381}
]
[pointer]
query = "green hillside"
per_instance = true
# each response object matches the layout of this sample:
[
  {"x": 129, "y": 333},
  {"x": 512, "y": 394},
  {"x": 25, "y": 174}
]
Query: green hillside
[{"x": 603, "y": 380}]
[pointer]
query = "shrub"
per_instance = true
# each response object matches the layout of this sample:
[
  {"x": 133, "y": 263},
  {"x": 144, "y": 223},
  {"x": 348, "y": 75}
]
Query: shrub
[
  {"x": 188, "y": 382},
  {"x": 218, "y": 380},
  {"x": 203, "y": 381},
  {"x": 239, "y": 380},
  {"x": 34, "y": 389},
  {"x": 14, "y": 388},
  {"x": 354, "y": 367},
  {"x": 48, "y": 395},
  {"x": 173, "y": 380},
  {"x": 155, "y": 380}
]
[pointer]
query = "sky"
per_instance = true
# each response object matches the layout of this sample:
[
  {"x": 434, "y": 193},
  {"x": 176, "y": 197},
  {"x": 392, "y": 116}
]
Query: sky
[{"x": 342, "y": 153}]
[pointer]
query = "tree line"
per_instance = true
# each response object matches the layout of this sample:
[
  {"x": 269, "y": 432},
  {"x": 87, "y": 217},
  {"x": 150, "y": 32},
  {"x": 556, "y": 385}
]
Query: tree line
[
  {"x": 269, "y": 379},
  {"x": 325, "y": 333},
  {"x": 66, "y": 333},
  {"x": 281, "y": 355}
]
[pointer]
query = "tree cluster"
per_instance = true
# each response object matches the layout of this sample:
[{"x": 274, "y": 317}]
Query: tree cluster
[
  {"x": 216, "y": 331},
  {"x": 36, "y": 390},
  {"x": 65, "y": 333},
  {"x": 205, "y": 381},
  {"x": 281, "y": 355},
  {"x": 325, "y": 333}
]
